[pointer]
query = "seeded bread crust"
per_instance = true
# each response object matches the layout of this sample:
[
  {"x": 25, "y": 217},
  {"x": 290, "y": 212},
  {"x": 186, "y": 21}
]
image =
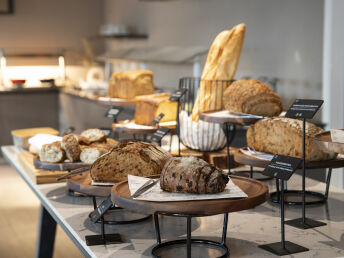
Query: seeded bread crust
[
  {"x": 135, "y": 158},
  {"x": 52, "y": 152},
  {"x": 252, "y": 97},
  {"x": 71, "y": 147},
  {"x": 283, "y": 136},
  {"x": 192, "y": 175}
]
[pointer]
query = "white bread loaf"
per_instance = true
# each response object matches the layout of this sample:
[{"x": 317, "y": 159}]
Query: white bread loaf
[{"x": 222, "y": 61}]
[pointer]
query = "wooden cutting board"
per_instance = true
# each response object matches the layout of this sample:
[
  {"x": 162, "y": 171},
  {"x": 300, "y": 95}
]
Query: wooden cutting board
[{"x": 39, "y": 176}]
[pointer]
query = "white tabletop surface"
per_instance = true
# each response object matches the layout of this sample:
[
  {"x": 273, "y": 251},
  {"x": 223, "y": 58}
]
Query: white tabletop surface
[{"x": 246, "y": 229}]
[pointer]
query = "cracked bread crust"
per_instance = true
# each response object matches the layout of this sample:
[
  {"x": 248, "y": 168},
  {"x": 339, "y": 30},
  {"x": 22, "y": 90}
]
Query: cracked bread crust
[
  {"x": 283, "y": 136},
  {"x": 252, "y": 97},
  {"x": 134, "y": 158},
  {"x": 71, "y": 146},
  {"x": 192, "y": 175}
]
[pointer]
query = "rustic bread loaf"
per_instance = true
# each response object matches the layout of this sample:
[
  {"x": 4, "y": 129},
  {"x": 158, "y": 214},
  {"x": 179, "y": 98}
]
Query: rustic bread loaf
[
  {"x": 135, "y": 158},
  {"x": 52, "y": 152},
  {"x": 283, "y": 136},
  {"x": 150, "y": 106},
  {"x": 130, "y": 84},
  {"x": 71, "y": 147},
  {"x": 94, "y": 135},
  {"x": 192, "y": 175},
  {"x": 252, "y": 97},
  {"x": 221, "y": 64}
]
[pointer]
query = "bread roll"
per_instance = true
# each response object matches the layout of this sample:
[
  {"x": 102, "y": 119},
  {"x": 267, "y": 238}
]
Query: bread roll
[
  {"x": 129, "y": 84},
  {"x": 222, "y": 61},
  {"x": 71, "y": 147},
  {"x": 94, "y": 135},
  {"x": 150, "y": 106},
  {"x": 135, "y": 158},
  {"x": 283, "y": 136},
  {"x": 252, "y": 97},
  {"x": 52, "y": 152},
  {"x": 192, "y": 175},
  {"x": 89, "y": 155}
]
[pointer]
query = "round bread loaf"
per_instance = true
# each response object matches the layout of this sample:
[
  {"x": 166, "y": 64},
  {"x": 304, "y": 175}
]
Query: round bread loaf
[
  {"x": 135, "y": 158},
  {"x": 192, "y": 175},
  {"x": 252, "y": 97},
  {"x": 283, "y": 136}
]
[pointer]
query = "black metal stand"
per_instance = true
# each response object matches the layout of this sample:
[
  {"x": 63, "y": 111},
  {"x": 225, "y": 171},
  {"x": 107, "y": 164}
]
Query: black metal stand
[
  {"x": 188, "y": 241},
  {"x": 230, "y": 133},
  {"x": 111, "y": 217},
  {"x": 292, "y": 197},
  {"x": 46, "y": 235},
  {"x": 304, "y": 223},
  {"x": 103, "y": 239},
  {"x": 283, "y": 247}
]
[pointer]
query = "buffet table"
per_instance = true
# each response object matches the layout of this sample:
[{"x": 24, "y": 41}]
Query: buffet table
[{"x": 247, "y": 229}]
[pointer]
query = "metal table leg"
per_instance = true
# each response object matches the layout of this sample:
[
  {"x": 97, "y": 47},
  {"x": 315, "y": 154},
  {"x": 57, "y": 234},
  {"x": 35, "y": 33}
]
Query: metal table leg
[{"x": 46, "y": 235}]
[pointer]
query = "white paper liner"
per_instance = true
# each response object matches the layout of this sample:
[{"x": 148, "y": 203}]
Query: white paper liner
[
  {"x": 257, "y": 154},
  {"x": 337, "y": 135},
  {"x": 156, "y": 194},
  {"x": 131, "y": 125},
  {"x": 234, "y": 114},
  {"x": 103, "y": 183}
]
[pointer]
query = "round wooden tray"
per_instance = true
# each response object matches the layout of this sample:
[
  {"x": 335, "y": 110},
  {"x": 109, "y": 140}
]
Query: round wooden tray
[
  {"x": 131, "y": 127},
  {"x": 118, "y": 102},
  {"x": 82, "y": 184},
  {"x": 324, "y": 142},
  {"x": 257, "y": 194},
  {"x": 65, "y": 166},
  {"x": 230, "y": 117},
  {"x": 244, "y": 159}
]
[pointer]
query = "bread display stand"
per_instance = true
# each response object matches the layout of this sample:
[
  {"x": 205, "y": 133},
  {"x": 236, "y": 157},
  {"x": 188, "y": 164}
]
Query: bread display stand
[
  {"x": 117, "y": 102},
  {"x": 232, "y": 119},
  {"x": 82, "y": 183},
  {"x": 257, "y": 194},
  {"x": 130, "y": 127},
  {"x": 282, "y": 168}
]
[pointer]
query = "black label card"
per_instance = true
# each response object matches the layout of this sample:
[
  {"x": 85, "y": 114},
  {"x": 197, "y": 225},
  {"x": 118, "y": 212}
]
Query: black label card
[
  {"x": 175, "y": 96},
  {"x": 101, "y": 209},
  {"x": 161, "y": 132},
  {"x": 304, "y": 108},
  {"x": 157, "y": 119},
  {"x": 113, "y": 112},
  {"x": 282, "y": 167}
]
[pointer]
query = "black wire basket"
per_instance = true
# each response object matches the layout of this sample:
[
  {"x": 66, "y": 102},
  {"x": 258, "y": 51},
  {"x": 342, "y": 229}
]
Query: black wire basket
[{"x": 201, "y": 135}]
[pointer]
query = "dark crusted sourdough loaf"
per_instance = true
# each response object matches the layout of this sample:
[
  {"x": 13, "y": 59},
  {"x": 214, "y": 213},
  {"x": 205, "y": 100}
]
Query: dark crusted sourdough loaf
[
  {"x": 192, "y": 175},
  {"x": 135, "y": 158}
]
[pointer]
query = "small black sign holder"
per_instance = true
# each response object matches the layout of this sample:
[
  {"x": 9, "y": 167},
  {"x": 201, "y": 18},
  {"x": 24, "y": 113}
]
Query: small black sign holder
[
  {"x": 304, "y": 108},
  {"x": 159, "y": 134},
  {"x": 283, "y": 247},
  {"x": 98, "y": 215},
  {"x": 113, "y": 113},
  {"x": 176, "y": 96}
]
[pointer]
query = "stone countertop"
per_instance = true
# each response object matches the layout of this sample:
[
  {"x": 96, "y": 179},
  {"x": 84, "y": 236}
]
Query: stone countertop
[{"x": 246, "y": 229}]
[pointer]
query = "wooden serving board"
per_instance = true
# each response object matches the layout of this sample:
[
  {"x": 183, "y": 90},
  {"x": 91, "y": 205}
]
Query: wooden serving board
[
  {"x": 251, "y": 160},
  {"x": 132, "y": 128},
  {"x": 324, "y": 142},
  {"x": 39, "y": 176},
  {"x": 65, "y": 166},
  {"x": 257, "y": 194},
  {"x": 82, "y": 183},
  {"x": 230, "y": 117}
]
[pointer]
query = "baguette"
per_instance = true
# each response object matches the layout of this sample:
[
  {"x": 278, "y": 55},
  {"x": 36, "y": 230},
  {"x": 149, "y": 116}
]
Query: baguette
[{"x": 52, "y": 152}]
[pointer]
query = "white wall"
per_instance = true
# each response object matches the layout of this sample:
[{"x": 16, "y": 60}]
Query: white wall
[
  {"x": 333, "y": 72},
  {"x": 283, "y": 38},
  {"x": 51, "y": 24}
]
